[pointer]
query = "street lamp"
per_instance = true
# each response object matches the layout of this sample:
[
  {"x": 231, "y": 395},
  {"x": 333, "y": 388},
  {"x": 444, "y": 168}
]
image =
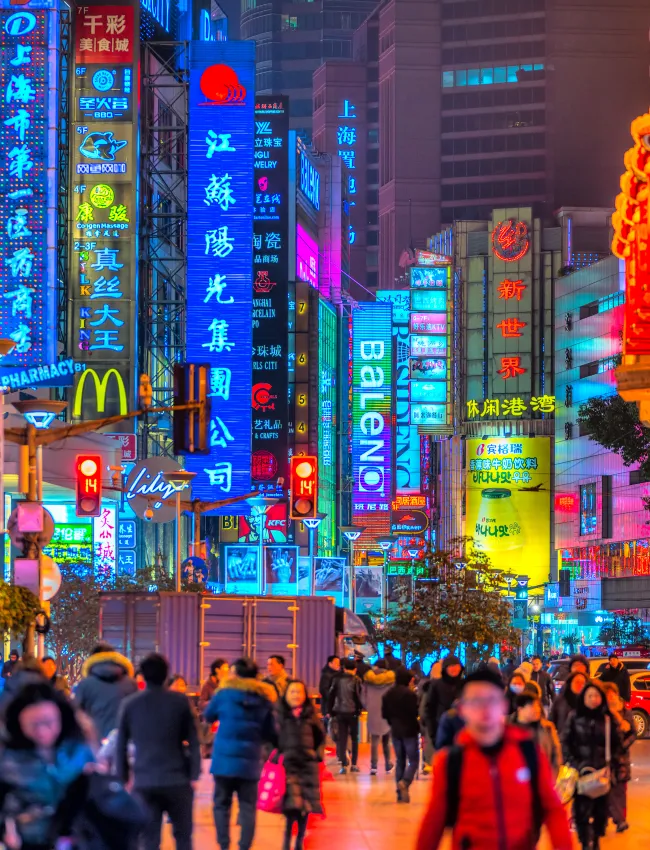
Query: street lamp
[
  {"x": 351, "y": 533},
  {"x": 179, "y": 479},
  {"x": 312, "y": 523},
  {"x": 259, "y": 504},
  {"x": 385, "y": 544}
]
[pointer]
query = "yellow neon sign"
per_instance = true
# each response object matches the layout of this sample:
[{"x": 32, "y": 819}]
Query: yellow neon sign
[
  {"x": 509, "y": 406},
  {"x": 101, "y": 386}
]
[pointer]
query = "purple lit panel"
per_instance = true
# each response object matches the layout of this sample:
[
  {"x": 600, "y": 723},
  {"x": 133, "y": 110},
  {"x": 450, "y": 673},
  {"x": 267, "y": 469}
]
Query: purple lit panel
[{"x": 306, "y": 257}]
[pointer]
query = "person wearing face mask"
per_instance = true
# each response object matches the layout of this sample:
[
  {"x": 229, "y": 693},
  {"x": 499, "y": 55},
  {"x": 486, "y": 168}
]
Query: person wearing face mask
[
  {"x": 515, "y": 687},
  {"x": 567, "y": 701},
  {"x": 530, "y": 715}
]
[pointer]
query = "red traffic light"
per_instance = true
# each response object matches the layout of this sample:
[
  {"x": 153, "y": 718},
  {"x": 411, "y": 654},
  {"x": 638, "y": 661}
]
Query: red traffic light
[
  {"x": 304, "y": 487},
  {"x": 89, "y": 485}
]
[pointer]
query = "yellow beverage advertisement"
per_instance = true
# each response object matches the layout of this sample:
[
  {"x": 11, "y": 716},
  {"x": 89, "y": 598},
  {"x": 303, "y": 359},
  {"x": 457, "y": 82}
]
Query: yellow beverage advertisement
[{"x": 508, "y": 505}]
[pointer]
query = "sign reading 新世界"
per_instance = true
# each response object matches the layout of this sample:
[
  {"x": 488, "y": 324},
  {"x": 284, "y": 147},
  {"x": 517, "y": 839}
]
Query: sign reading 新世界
[
  {"x": 270, "y": 289},
  {"x": 103, "y": 208}
]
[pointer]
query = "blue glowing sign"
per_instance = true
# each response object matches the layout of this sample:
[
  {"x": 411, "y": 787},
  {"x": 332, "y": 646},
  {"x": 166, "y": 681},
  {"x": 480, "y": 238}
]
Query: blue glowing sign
[
  {"x": 103, "y": 93},
  {"x": 429, "y": 391},
  {"x": 126, "y": 533},
  {"x": 309, "y": 181},
  {"x": 28, "y": 62},
  {"x": 159, "y": 11},
  {"x": 428, "y": 414},
  {"x": 220, "y": 258}
]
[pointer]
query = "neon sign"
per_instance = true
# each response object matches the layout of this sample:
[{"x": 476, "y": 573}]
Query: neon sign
[
  {"x": 510, "y": 240},
  {"x": 220, "y": 258},
  {"x": 309, "y": 181},
  {"x": 105, "y": 543},
  {"x": 28, "y": 73},
  {"x": 505, "y": 407},
  {"x": 306, "y": 257}
]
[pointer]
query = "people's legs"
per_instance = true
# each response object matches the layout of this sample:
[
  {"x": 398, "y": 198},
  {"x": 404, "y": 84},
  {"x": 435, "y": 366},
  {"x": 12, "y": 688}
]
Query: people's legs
[
  {"x": 617, "y": 801},
  {"x": 302, "y": 829},
  {"x": 600, "y": 813},
  {"x": 400, "y": 758},
  {"x": 154, "y": 803},
  {"x": 342, "y": 741},
  {"x": 582, "y": 808},
  {"x": 223, "y": 791},
  {"x": 412, "y": 752},
  {"x": 374, "y": 751},
  {"x": 178, "y": 803},
  {"x": 427, "y": 755},
  {"x": 247, "y": 798},
  {"x": 385, "y": 743},
  {"x": 354, "y": 735},
  {"x": 290, "y": 820}
]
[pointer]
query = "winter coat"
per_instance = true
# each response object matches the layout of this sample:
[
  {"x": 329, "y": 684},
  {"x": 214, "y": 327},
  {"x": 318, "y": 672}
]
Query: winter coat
[
  {"x": 107, "y": 680},
  {"x": 375, "y": 684},
  {"x": 300, "y": 739},
  {"x": 345, "y": 695},
  {"x": 441, "y": 695},
  {"x": 208, "y": 690},
  {"x": 545, "y": 734},
  {"x": 392, "y": 663},
  {"x": 41, "y": 790},
  {"x": 399, "y": 706},
  {"x": 495, "y": 807},
  {"x": 623, "y": 763},
  {"x": 279, "y": 682},
  {"x": 15, "y": 683},
  {"x": 450, "y": 725},
  {"x": 564, "y": 704},
  {"x": 324, "y": 686},
  {"x": 543, "y": 679},
  {"x": 621, "y": 678},
  {"x": 583, "y": 737},
  {"x": 244, "y": 709}
]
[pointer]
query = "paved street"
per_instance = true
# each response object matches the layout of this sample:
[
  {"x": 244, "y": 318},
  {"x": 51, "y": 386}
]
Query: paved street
[{"x": 362, "y": 814}]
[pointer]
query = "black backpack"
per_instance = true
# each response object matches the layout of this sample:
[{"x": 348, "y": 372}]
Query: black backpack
[{"x": 454, "y": 768}]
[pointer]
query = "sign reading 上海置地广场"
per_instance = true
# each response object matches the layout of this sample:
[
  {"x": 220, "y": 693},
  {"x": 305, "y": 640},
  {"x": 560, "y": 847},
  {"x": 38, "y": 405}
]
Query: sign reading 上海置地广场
[
  {"x": 29, "y": 45},
  {"x": 102, "y": 257},
  {"x": 220, "y": 259}
]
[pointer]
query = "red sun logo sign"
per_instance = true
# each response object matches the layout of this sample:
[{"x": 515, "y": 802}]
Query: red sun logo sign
[{"x": 220, "y": 85}]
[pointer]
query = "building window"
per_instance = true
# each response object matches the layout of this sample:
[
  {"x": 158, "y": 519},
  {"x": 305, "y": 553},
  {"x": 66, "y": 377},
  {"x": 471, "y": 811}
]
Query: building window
[
  {"x": 289, "y": 22},
  {"x": 608, "y": 302},
  {"x": 491, "y": 76},
  {"x": 588, "y": 509}
]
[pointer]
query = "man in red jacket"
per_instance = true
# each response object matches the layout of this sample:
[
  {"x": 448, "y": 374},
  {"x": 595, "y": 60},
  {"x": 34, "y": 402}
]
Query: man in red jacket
[{"x": 494, "y": 787}]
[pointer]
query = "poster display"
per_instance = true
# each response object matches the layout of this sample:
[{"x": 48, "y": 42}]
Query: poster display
[
  {"x": 241, "y": 569},
  {"x": 281, "y": 570},
  {"x": 368, "y": 595}
]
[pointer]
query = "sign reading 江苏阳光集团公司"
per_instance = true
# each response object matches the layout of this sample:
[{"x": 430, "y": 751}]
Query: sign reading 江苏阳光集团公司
[{"x": 220, "y": 259}]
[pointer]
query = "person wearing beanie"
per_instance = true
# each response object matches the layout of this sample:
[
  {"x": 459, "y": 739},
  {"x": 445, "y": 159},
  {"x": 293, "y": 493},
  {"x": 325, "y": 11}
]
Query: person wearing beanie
[
  {"x": 442, "y": 693},
  {"x": 529, "y": 714}
]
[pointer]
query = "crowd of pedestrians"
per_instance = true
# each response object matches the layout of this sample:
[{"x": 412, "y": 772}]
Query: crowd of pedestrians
[{"x": 101, "y": 766}]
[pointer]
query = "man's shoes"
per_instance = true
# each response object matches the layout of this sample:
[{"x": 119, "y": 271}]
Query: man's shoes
[
  {"x": 390, "y": 768},
  {"x": 403, "y": 791},
  {"x": 343, "y": 771},
  {"x": 373, "y": 771},
  {"x": 622, "y": 826},
  {"x": 355, "y": 769}
]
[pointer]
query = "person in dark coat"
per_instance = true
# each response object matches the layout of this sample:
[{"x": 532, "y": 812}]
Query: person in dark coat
[
  {"x": 28, "y": 671},
  {"x": 530, "y": 716},
  {"x": 508, "y": 669},
  {"x": 167, "y": 756},
  {"x": 399, "y": 708},
  {"x": 219, "y": 671},
  {"x": 567, "y": 700},
  {"x": 622, "y": 770},
  {"x": 10, "y": 663},
  {"x": 442, "y": 693},
  {"x": 301, "y": 739},
  {"x": 450, "y": 725},
  {"x": 107, "y": 680},
  {"x": 584, "y": 745},
  {"x": 618, "y": 673},
  {"x": 327, "y": 674},
  {"x": 243, "y": 705},
  {"x": 543, "y": 679},
  {"x": 579, "y": 663},
  {"x": 346, "y": 705},
  {"x": 515, "y": 686},
  {"x": 392, "y": 663}
]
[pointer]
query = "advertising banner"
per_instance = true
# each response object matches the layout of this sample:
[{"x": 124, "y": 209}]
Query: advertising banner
[
  {"x": 508, "y": 483},
  {"x": 368, "y": 589},
  {"x": 306, "y": 257},
  {"x": 332, "y": 578},
  {"x": 241, "y": 569},
  {"x": 220, "y": 259},
  {"x": 281, "y": 570},
  {"x": 400, "y": 590}
]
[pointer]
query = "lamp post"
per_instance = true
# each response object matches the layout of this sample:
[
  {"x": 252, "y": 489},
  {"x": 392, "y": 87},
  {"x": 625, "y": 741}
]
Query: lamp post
[
  {"x": 385, "y": 544},
  {"x": 312, "y": 524},
  {"x": 259, "y": 504},
  {"x": 180, "y": 479},
  {"x": 351, "y": 533}
]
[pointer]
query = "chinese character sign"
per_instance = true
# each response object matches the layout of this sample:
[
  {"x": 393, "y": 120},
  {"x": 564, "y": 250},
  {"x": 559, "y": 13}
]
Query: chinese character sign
[
  {"x": 372, "y": 378},
  {"x": 28, "y": 184},
  {"x": 508, "y": 483},
  {"x": 220, "y": 259},
  {"x": 105, "y": 543}
]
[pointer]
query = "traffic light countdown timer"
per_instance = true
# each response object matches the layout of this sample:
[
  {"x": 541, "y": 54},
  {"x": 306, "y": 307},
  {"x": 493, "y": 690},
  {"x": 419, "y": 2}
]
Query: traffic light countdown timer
[
  {"x": 89, "y": 485},
  {"x": 304, "y": 487}
]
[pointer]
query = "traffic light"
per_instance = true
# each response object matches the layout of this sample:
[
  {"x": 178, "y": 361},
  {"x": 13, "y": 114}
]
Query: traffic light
[
  {"x": 191, "y": 427},
  {"x": 89, "y": 485},
  {"x": 304, "y": 487}
]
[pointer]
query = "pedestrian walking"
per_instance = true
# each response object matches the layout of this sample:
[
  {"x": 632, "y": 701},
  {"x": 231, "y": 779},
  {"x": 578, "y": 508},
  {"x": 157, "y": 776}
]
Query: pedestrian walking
[
  {"x": 428, "y": 744},
  {"x": 515, "y": 686},
  {"x": 509, "y": 668},
  {"x": 450, "y": 725},
  {"x": 278, "y": 676},
  {"x": 301, "y": 739},
  {"x": 243, "y": 706},
  {"x": 529, "y": 715},
  {"x": 584, "y": 745},
  {"x": 542, "y": 678},
  {"x": 622, "y": 769},
  {"x": 219, "y": 672},
  {"x": 579, "y": 663},
  {"x": 616, "y": 672},
  {"x": 493, "y": 788},
  {"x": 400, "y": 709},
  {"x": 177, "y": 684},
  {"x": 107, "y": 680},
  {"x": 493, "y": 665},
  {"x": 51, "y": 672},
  {"x": 160, "y": 725},
  {"x": 442, "y": 693},
  {"x": 567, "y": 701},
  {"x": 327, "y": 675},
  {"x": 346, "y": 706},
  {"x": 392, "y": 663},
  {"x": 377, "y": 681},
  {"x": 10, "y": 663},
  {"x": 42, "y": 766}
]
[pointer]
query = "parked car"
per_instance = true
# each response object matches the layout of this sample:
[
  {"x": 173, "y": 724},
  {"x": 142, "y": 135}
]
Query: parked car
[
  {"x": 640, "y": 703},
  {"x": 559, "y": 670}
]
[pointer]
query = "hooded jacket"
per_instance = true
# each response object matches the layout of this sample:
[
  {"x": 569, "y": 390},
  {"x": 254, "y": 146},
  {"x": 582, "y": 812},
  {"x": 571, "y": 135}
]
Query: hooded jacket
[
  {"x": 244, "y": 710},
  {"x": 495, "y": 807},
  {"x": 327, "y": 675},
  {"x": 441, "y": 695},
  {"x": 376, "y": 683},
  {"x": 564, "y": 705},
  {"x": 583, "y": 737},
  {"x": 107, "y": 680}
]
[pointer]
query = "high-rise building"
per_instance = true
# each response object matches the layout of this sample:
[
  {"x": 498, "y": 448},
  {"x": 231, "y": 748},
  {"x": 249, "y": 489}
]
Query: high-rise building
[{"x": 294, "y": 38}]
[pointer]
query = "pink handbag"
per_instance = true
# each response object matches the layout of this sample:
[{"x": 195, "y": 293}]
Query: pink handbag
[{"x": 273, "y": 785}]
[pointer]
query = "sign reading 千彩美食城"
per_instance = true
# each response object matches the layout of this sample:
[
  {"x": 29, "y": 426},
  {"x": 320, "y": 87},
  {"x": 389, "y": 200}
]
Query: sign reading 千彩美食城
[{"x": 29, "y": 51}]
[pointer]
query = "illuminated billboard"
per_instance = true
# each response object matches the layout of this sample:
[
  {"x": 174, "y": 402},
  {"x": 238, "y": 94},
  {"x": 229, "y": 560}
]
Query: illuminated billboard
[
  {"x": 29, "y": 45},
  {"x": 327, "y": 424},
  {"x": 508, "y": 484},
  {"x": 306, "y": 257},
  {"x": 372, "y": 449},
  {"x": 220, "y": 258}
]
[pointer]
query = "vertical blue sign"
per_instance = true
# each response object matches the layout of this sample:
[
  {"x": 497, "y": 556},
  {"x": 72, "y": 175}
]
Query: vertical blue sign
[
  {"x": 28, "y": 137},
  {"x": 220, "y": 258}
]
